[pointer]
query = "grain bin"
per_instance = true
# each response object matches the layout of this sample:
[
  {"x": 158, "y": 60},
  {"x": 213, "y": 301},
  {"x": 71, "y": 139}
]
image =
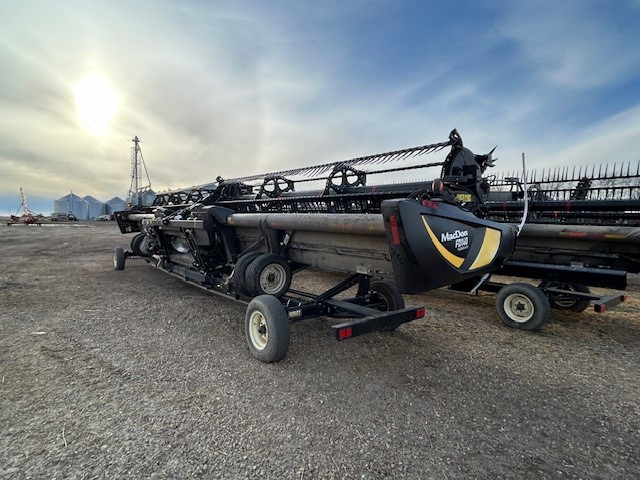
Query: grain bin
[
  {"x": 116, "y": 204},
  {"x": 72, "y": 203},
  {"x": 95, "y": 207}
]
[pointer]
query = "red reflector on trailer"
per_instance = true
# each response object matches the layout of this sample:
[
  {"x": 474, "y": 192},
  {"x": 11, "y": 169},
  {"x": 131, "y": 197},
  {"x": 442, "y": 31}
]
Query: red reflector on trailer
[
  {"x": 395, "y": 232},
  {"x": 576, "y": 234},
  {"x": 345, "y": 333},
  {"x": 599, "y": 308},
  {"x": 624, "y": 298},
  {"x": 420, "y": 312}
]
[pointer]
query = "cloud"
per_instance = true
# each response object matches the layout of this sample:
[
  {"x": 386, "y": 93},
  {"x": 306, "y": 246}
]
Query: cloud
[
  {"x": 237, "y": 88},
  {"x": 608, "y": 141},
  {"x": 574, "y": 43}
]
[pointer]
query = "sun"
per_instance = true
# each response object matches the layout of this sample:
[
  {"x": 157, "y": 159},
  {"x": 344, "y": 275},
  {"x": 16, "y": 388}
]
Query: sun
[{"x": 95, "y": 103}]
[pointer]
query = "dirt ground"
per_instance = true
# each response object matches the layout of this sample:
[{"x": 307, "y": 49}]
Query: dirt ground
[{"x": 134, "y": 374}]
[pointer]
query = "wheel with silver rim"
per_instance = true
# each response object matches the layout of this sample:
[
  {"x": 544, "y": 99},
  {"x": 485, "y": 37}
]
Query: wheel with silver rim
[
  {"x": 522, "y": 306},
  {"x": 267, "y": 329},
  {"x": 268, "y": 274},
  {"x": 118, "y": 258}
]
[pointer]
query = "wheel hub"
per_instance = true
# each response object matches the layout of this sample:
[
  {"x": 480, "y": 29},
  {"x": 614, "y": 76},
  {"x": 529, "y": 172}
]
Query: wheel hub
[
  {"x": 272, "y": 278},
  {"x": 258, "y": 331},
  {"x": 519, "y": 307}
]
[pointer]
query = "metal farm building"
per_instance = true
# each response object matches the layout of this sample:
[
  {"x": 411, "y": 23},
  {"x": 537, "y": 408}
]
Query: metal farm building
[
  {"x": 114, "y": 205},
  {"x": 96, "y": 207},
  {"x": 72, "y": 203},
  {"x": 88, "y": 207}
]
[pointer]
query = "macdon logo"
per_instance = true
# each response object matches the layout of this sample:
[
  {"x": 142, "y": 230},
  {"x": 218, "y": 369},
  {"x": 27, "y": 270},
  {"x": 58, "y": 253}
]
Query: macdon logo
[
  {"x": 461, "y": 238},
  {"x": 448, "y": 236}
]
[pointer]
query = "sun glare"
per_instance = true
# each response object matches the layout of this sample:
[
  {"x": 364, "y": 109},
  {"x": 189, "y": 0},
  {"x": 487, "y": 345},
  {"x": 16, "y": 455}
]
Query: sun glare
[{"x": 95, "y": 103}]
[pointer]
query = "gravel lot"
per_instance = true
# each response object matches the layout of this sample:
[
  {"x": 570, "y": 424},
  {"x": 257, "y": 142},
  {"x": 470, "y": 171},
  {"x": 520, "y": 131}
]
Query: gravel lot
[{"x": 136, "y": 374}]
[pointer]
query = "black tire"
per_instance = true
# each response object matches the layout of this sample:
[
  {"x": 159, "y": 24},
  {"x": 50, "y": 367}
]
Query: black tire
[
  {"x": 269, "y": 274},
  {"x": 136, "y": 242},
  {"x": 388, "y": 295},
  {"x": 567, "y": 302},
  {"x": 266, "y": 328},
  {"x": 522, "y": 306},
  {"x": 390, "y": 299},
  {"x": 146, "y": 246},
  {"x": 118, "y": 258},
  {"x": 239, "y": 271}
]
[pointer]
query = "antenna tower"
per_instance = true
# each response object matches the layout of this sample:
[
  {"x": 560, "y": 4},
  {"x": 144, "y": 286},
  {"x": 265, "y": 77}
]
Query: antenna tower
[
  {"x": 137, "y": 168},
  {"x": 23, "y": 203}
]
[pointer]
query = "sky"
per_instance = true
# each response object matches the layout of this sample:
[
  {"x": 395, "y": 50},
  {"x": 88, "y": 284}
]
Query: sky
[{"x": 239, "y": 87}]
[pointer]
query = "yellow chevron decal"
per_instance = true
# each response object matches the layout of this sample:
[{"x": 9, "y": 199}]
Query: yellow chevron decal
[
  {"x": 448, "y": 256},
  {"x": 488, "y": 250}
]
